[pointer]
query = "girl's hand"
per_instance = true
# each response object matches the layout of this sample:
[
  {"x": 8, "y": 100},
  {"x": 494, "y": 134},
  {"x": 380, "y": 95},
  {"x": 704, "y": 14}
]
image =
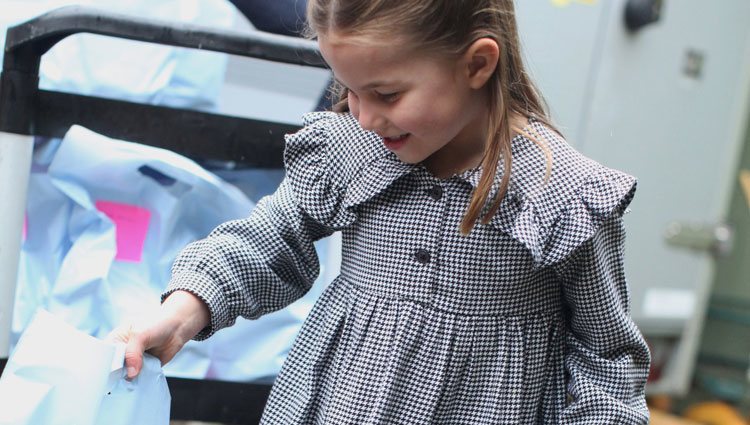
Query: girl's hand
[{"x": 181, "y": 317}]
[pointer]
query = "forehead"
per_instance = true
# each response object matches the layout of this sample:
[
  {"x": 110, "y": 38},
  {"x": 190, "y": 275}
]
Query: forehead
[
  {"x": 357, "y": 59},
  {"x": 369, "y": 48}
]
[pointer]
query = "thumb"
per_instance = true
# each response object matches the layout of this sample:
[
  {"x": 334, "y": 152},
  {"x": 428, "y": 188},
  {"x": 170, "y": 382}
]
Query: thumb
[{"x": 134, "y": 354}]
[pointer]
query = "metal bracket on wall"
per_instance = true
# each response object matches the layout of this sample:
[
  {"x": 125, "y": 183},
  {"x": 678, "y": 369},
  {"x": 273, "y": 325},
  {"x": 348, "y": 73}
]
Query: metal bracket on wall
[{"x": 713, "y": 238}]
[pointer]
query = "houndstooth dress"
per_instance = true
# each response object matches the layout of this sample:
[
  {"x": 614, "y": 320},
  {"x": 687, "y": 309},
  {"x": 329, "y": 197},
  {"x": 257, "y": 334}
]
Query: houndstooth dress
[{"x": 523, "y": 321}]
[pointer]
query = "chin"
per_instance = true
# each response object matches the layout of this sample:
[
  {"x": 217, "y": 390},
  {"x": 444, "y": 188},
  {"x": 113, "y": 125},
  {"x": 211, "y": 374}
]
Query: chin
[{"x": 409, "y": 159}]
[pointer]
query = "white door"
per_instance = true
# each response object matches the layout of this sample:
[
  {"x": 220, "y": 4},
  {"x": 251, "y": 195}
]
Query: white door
[{"x": 668, "y": 104}]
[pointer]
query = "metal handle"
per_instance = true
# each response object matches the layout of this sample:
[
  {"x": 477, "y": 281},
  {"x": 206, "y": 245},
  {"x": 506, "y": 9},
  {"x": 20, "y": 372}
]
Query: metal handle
[
  {"x": 27, "y": 42},
  {"x": 15, "y": 160},
  {"x": 640, "y": 13},
  {"x": 36, "y": 36}
]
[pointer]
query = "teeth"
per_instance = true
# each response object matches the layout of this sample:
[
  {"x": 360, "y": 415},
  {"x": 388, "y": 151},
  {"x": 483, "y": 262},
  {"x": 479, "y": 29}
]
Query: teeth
[{"x": 391, "y": 138}]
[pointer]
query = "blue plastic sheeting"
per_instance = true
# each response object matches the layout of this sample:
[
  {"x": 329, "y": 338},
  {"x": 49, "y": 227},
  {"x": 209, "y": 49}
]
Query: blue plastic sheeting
[
  {"x": 128, "y": 70},
  {"x": 68, "y": 260},
  {"x": 82, "y": 258}
]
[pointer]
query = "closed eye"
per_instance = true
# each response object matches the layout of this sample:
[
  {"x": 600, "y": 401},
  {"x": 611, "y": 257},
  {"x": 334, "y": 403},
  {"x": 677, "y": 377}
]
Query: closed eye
[{"x": 388, "y": 97}]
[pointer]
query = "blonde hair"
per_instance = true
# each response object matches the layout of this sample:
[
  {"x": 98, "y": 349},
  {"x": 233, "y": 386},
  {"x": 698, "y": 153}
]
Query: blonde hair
[{"x": 450, "y": 27}]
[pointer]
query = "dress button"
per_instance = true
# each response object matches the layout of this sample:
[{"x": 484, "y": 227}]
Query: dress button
[
  {"x": 422, "y": 256},
  {"x": 435, "y": 192}
]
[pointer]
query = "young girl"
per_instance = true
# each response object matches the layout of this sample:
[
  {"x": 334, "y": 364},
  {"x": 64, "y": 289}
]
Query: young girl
[{"x": 482, "y": 278}]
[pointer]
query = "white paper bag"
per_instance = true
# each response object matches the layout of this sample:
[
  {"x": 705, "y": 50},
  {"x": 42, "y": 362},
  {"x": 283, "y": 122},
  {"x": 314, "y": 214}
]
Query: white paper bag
[{"x": 59, "y": 375}]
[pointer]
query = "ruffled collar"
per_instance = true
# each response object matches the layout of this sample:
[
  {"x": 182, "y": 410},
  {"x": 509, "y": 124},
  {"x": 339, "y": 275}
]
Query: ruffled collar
[
  {"x": 533, "y": 212},
  {"x": 550, "y": 219}
]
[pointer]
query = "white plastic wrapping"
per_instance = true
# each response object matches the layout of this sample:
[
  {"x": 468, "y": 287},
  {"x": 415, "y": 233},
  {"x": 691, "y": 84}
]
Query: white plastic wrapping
[{"x": 58, "y": 375}]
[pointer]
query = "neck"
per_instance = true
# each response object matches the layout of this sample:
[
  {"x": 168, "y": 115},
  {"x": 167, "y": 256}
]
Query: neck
[
  {"x": 456, "y": 158},
  {"x": 463, "y": 153},
  {"x": 450, "y": 162}
]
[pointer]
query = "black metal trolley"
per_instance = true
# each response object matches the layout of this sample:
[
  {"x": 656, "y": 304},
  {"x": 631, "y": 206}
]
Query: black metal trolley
[{"x": 27, "y": 110}]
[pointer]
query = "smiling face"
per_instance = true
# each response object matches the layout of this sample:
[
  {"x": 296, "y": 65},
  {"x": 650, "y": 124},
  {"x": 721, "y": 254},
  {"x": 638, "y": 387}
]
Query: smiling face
[{"x": 427, "y": 109}]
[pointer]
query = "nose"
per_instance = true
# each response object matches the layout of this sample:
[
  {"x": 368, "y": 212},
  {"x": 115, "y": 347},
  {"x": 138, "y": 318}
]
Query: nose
[{"x": 369, "y": 117}]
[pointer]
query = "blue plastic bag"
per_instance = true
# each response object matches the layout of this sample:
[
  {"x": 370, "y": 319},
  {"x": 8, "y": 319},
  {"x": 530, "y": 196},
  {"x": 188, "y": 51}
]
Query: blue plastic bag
[
  {"x": 74, "y": 261},
  {"x": 70, "y": 265}
]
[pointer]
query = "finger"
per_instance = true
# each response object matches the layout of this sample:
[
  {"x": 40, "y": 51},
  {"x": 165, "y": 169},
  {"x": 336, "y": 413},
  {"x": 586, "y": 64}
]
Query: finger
[
  {"x": 119, "y": 334},
  {"x": 134, "y": 354}
]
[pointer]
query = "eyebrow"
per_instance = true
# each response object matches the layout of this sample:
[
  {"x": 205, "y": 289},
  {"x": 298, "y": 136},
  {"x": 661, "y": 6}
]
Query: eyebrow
[
  {"x": 374, "y": 84},
  {"x": 368, "y": 86}
]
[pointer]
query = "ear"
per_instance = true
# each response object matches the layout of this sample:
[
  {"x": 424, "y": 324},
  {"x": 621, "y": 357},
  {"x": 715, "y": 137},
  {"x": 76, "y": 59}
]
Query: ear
[{"x": 480, "y": 61}]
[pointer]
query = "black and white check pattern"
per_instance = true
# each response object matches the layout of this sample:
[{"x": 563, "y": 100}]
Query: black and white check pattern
[{"x": 524, "y": 321}]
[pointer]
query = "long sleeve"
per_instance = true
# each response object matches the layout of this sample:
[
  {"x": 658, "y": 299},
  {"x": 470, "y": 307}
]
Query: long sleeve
[
  {"x": 606, "y": 357},
  {"x": 252, "y": 266},
  {"x": 265, "y": 262}
]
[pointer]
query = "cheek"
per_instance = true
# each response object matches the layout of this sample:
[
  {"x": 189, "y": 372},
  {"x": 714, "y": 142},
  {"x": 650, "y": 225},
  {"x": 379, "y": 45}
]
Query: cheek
[
  {"x": 411, "y": 116},
  {"x": 429, "y": 111},
  {"x": 422, "y": 119},
  {"x": 446, "y": 114}
]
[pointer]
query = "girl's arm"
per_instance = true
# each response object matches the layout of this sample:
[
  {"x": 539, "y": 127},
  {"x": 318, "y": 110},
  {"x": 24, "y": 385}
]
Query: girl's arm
[
  {"x": 262, "y": 263},
  {"x": 252, "y": 266},
  {"x": 607, "y": 359}
]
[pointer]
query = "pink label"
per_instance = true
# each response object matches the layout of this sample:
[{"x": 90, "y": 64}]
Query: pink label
[
  {"x": 25, "y": 226},
  {"x": 131, "y": 227}
]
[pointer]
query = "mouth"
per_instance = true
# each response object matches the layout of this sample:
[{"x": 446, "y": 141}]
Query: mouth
[{"x": 394, "y": 143}]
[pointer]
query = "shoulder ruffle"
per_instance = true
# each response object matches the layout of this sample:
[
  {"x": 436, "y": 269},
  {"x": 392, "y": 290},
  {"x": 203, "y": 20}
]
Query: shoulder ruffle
[
  {"x": 553, "y": 220},
  {"x": 334, "y": 165},
  {"x": 605, "y": 195}
]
